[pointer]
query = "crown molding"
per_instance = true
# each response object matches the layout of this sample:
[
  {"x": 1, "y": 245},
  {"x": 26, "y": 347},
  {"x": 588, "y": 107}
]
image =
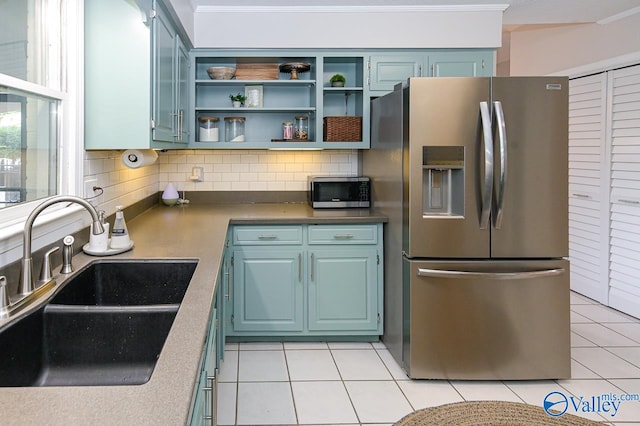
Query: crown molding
[
  {"x": 618, "y": 16},
  {"x": 353, "y": 9}
]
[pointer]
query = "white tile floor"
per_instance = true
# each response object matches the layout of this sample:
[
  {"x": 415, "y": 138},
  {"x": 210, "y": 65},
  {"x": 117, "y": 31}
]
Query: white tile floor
[{"x": 360, "y": 383}]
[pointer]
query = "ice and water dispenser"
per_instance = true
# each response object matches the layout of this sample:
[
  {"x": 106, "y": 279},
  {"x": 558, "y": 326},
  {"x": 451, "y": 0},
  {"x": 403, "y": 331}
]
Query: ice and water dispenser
[{"x": 443, "y": 181}]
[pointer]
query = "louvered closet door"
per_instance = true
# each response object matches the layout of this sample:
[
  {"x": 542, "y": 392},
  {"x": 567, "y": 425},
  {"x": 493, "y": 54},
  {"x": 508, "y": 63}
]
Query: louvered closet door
[
  {"x": 625, "y": 190},
  {"x": 588, "y": 192}
]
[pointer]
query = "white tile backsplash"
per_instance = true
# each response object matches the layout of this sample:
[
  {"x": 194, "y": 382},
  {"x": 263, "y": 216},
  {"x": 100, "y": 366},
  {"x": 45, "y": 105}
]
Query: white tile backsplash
[
  {"x": 121, "y": 185},
  {"x": 255, "y": 170},
  {"x": 224, "y": 170}
]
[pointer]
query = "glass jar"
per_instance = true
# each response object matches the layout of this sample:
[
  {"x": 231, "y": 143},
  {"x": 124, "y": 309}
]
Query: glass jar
[
  {"x": 287, "y": 130},
  {"x": 301, "y": 128},
  {"x": 209, "y": 131},
  {"x": 234, "y": 129}
]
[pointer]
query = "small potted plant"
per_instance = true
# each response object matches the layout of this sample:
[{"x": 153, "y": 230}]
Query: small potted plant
[
  {"x": 237, "y": 100},
  {"x": 337, "y": 80}
]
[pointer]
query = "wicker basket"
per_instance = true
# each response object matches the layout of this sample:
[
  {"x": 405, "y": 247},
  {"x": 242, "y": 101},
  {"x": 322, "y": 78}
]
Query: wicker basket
[
  {"x": 342, "y": 129},
  {"x": 257, "y": 71}
]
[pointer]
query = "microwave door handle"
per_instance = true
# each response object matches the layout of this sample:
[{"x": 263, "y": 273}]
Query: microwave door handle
[
  {"x": 502, "y": 138},
  {"x": 487, "y": 184}
]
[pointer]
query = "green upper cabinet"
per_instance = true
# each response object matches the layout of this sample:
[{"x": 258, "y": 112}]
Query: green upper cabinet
[
  {"x": 337, "y": 117},
  {"x": 461, "y": 64},
  {"x": 392, "y": 68},
  {"x": 170, "y": 86},
  {"x": 388, "y": 70},
  {"x": 133, "y": 94}
]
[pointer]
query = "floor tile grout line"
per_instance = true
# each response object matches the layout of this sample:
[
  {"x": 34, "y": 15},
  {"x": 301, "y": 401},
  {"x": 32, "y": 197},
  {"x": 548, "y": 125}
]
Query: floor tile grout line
[
  {"x": 344, "y": 385},
  {"x": 293, "y": 397}
]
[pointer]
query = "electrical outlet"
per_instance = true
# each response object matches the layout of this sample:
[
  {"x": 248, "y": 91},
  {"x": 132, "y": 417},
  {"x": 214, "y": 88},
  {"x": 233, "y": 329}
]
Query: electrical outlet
[{"x": 89, "y": 193}]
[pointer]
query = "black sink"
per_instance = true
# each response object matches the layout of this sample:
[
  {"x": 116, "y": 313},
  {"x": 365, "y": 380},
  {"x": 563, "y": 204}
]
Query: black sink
[
  {"x": 106, "y": 326},
  {"x": 118, "y": 283},
  {"x": 80, "y": 346}
]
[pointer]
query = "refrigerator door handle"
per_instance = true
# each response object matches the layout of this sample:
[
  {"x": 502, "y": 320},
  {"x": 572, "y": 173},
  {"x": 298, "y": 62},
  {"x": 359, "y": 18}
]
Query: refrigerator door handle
[
  {"x": 487, "y": 193},
  {"x": 441, "y": 273},
  {"x": 502, "y": 138}
]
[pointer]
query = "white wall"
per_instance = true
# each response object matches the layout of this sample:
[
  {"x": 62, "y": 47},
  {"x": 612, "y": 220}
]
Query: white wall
[
  {"x": 553, "y": 50},
  {"x": 349, "y": 27}
]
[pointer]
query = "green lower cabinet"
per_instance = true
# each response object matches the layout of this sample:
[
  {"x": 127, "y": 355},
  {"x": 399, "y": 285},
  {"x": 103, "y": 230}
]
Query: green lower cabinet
[
  {"x": 203, "y": 412},
  {"x": 343, "y": 289},
  {"x": 198, "y": 413},
  {"x": 268, "y": 293},
  {"x": 327, "y": 281}
]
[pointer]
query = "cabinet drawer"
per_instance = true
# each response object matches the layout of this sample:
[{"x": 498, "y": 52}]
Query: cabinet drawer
[
  {"x": 267, "y": 235},
  {"x": 343, "y": 234}
]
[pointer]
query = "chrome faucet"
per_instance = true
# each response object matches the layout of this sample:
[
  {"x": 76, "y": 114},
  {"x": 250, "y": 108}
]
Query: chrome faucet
[{"x": 26, "y": 279}]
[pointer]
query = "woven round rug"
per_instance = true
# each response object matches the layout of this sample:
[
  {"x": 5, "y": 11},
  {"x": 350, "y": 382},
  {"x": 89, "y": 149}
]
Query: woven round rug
[{"x": 494, "y": 413}]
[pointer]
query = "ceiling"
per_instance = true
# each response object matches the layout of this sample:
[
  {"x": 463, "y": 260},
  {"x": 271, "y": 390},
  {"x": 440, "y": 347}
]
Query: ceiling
[{"x": 519, "y": 12}]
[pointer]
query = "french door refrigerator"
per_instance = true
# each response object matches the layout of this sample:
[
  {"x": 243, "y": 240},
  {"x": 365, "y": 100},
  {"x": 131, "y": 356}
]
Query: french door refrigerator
[{"x": 472, "y": 173}]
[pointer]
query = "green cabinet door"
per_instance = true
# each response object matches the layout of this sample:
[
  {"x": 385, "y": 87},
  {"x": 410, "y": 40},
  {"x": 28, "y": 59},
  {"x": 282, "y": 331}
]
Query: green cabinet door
[
  {"x": 164, "y": 42},
  {"x": 456, "y": 64},
  {"x": 388, "y": 70},
  {"x": 182, "y": 92},
  {"x": 117, "y": 76},
  {"x": 267, "y": 289},
  {"x": 343, "y": 289}
]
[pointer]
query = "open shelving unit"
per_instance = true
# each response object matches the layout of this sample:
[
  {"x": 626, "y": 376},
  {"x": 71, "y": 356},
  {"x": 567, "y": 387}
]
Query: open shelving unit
[{"x": 282, "y": 99}]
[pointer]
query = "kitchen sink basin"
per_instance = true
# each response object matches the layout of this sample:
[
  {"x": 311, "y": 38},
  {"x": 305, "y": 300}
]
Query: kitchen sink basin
[
  {"x": 106, "y": 326},
  {"x": 60, "y": 345},
  {"x": 118, "y": 283}
]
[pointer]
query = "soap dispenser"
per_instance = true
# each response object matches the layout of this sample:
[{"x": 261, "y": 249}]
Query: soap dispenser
[
  {"x": 119, "y": 234},
  {"x": 100, "y": 243}
]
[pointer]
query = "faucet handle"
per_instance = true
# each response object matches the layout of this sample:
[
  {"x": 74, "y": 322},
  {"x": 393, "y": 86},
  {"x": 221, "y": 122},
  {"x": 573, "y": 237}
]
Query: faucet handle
[
  {"x": 5, "y": 302},
  {"x": 67, "y": 255},
  {"x": 45, "y": 272}
]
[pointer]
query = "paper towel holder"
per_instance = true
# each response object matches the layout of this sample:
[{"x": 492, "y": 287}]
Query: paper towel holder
[{"x": 136, "y": 158}]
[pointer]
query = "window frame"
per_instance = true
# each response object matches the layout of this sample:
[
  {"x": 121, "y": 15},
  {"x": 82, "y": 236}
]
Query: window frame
[{"x": 70, "y": 76}]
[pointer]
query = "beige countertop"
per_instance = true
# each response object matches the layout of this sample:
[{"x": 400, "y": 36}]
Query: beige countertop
[{"x": 189, "y": 232}]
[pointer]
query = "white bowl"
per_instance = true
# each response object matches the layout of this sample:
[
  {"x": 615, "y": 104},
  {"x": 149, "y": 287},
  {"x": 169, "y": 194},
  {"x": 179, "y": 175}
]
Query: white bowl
[{"x": 221, "y": 73}]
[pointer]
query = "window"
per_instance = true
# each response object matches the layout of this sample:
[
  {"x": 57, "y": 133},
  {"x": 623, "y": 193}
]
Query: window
[
  {"x": 40, "y": 145},
  {"x": 28, "y": 147}
]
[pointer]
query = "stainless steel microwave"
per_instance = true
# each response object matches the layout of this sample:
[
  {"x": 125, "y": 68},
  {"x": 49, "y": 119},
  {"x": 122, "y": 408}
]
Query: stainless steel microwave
[{"x": 339, "y": 192}]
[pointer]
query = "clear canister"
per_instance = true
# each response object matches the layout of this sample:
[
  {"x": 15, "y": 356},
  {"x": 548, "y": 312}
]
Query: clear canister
[
  {"x": 301, "y": 127},
  {"x": 234, "y": 129},
  {"x": 287, "y": 130},
  {"x": 209, "y": 129}
]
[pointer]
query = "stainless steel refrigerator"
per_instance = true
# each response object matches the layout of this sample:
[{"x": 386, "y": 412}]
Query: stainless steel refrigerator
[{"x": 472, "y": 173}]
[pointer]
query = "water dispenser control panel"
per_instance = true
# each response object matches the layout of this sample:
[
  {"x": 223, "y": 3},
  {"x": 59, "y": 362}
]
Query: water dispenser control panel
[{"x": 443, "y": 181}]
